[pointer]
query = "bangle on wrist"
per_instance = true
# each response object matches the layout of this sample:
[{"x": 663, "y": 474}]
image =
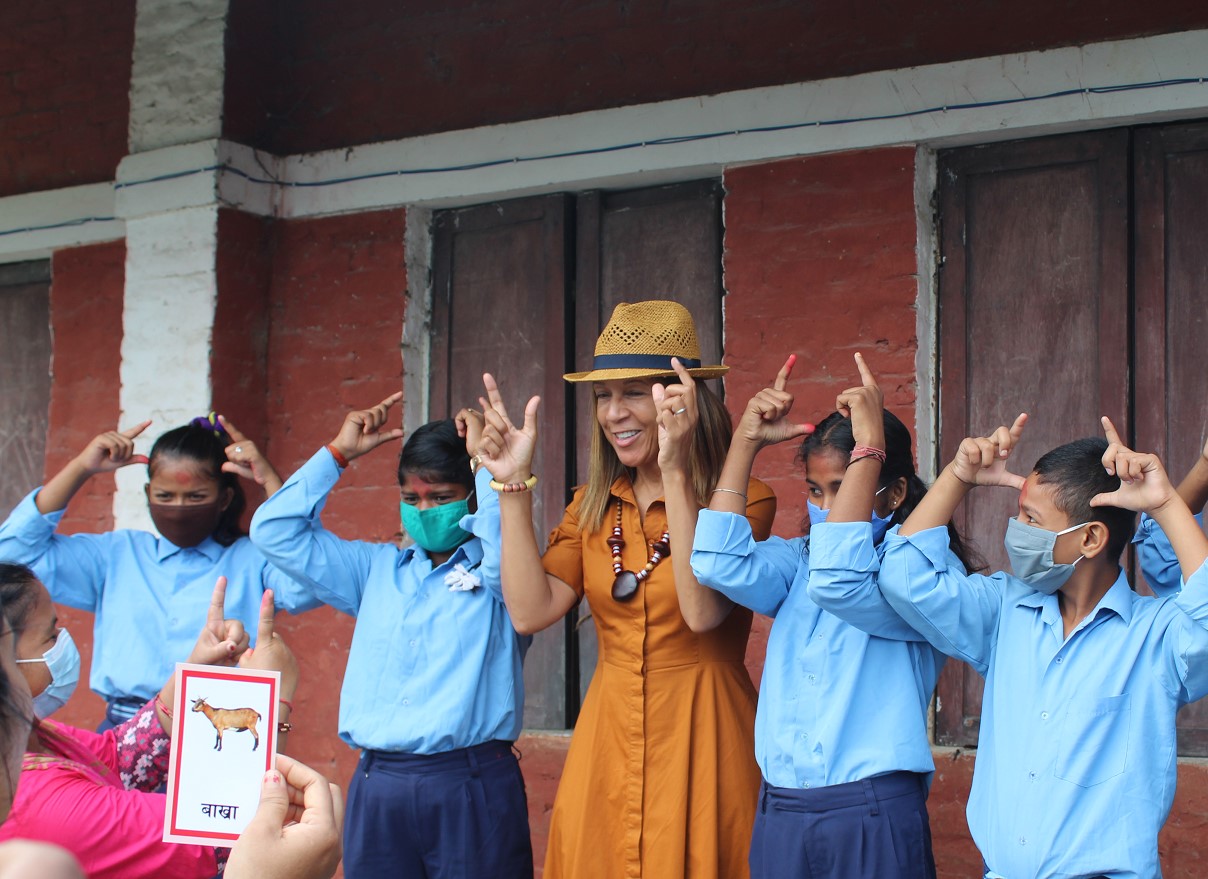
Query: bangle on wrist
[
  {"x": 159, "y": 703},
  {"x": 731, "y": 491},
  {"x": 338, "y": 455},
  {"x": 475, "y": 463},
  {"x": 859, "y": 453},
  {"x": 283, "y": 727},
  {"x": 512, "y": 487},
  {"x": 288, "y": 704}
]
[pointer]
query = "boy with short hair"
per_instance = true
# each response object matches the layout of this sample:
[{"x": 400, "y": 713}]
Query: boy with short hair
[{"x": 1076, "y": 759}]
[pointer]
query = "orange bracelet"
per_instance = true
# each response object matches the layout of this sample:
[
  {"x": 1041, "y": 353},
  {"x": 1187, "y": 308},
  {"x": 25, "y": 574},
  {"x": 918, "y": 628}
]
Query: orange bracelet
[{"x": 338, "y": 455}]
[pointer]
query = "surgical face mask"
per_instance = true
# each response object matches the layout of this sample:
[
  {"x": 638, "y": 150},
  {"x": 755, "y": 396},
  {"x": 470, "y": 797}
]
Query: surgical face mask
[
  {"x": 1030, "y": 549},
  {"x": 186, "y": 525},
  {"x": 436, "y": 529},
  {"x": 880, "y": 524},
  {"x": 63, "y": 662}
]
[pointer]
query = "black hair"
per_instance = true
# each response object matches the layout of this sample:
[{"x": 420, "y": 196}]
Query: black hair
[
  {"x": 207, "y": 447},
  {"x": 1075, "y": 472},
  {"x": 435, "y": 453},
  {"x": 18, "y": 595},
  {"x": 834, "y": 433}
]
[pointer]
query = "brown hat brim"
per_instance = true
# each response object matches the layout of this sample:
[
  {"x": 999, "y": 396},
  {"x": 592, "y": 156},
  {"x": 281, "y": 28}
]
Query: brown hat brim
[{"x": 605, "y": 375}]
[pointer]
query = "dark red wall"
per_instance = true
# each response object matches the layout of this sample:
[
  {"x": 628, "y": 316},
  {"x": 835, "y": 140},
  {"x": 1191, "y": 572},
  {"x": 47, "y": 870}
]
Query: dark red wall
[
  {"x": 336, "y": 306},
  {"x": 350, "y": 73},
  {"x": 64, "y": 91},
  {"x": 86, "y": 292}
]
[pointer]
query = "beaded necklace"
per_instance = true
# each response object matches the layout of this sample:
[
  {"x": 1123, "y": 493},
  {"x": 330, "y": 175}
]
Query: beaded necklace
[{"x": 625, "y": 584}]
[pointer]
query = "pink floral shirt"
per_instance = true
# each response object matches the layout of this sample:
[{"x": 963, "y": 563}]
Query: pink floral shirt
[{"x": 93, "y": 795}]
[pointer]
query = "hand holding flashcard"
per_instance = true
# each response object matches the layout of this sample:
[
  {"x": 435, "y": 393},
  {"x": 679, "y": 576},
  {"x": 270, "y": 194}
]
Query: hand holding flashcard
[{"x": 224, "y": 730}]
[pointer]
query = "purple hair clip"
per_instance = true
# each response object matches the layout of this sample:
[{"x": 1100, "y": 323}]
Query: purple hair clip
[{"x": 211, "y": 423}]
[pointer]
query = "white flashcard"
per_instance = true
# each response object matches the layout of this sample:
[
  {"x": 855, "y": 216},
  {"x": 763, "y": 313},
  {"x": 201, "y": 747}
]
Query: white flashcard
[{"x": 224, "y": 738}]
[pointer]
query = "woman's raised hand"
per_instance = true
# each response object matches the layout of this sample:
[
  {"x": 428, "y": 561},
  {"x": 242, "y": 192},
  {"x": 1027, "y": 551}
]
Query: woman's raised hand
[
  {"x": 222, "y": 641},
  {"x": 111, "y": 450},
  {"x": 505, "y": 450},
  {"x": 364, "y": 430},
  {"x": 865, "y": 407},
  {"x": 765, "y": 421},
  {"x": 982, "y": 460},
  {"x": 245, "y": 459},
  {"x": 271, "y": 652},
  {"x": 675, "y": 407}
]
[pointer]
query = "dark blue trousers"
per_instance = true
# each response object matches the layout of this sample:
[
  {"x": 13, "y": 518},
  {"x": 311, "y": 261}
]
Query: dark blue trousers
[
  {"x": 874, "y": 827},
  {"x": 458, "y": 815}
]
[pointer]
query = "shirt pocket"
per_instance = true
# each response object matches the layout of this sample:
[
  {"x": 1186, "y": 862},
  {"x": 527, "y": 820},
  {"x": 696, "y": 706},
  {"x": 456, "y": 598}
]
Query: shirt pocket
[{"x": 1094, "y": 740}]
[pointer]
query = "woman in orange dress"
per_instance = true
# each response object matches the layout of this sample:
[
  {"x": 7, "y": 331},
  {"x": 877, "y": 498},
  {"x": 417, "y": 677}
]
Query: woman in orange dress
[{"x": 660, "y": 780}]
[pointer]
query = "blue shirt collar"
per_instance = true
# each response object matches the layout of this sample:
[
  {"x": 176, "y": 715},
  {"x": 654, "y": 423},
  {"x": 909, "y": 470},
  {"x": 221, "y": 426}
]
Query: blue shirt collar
[
  {"x": 1118, "y": 599},
  {"x": 210, "y": 548},
  {"x": 469, "y": 552}
]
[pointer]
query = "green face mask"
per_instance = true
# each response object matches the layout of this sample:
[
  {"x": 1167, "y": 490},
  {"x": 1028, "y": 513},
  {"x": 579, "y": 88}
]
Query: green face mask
[{"x": 436, "y": 528}]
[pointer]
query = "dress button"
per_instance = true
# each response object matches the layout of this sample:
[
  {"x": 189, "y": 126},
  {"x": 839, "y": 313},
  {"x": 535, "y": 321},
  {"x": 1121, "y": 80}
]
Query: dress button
[
  {"x": 1022, "y": 841},
  {"x": 1060, "y": 658},
  {"x": 406, "y": 701},
  {"x": 1032, "y": 775},
  {"x": 413, "y": 642},
  {"x": 1044, "y": 715}
]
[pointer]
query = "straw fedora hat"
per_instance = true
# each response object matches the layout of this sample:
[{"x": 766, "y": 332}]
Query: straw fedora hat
[{"x": 639, "y": 341}]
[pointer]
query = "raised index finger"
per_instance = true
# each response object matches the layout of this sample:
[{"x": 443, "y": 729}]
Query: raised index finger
[
  {"x": 866, "y": 376},
  {"x": 217, "y": 613},
  {"x": 494, "y": 397},
  {"x": 1109, "y": 431},
  {"x": 132, "y": 432},
  {"x": 264, "y": 627},
  {"x": 232, "y": 430},
  {"x": 782, "y": 377}
]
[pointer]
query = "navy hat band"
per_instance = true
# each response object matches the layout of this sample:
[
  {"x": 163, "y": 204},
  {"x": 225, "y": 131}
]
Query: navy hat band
[{"x": 642, "y": 361}]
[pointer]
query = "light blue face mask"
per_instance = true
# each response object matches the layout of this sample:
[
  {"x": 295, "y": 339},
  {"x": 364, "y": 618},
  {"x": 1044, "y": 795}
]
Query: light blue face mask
[
  {"x": 436, "y": 529},
  {"x": 1030, "y": 549},
  {"x": 63, "y": 662},
  {"x": 880, "y": 524}
]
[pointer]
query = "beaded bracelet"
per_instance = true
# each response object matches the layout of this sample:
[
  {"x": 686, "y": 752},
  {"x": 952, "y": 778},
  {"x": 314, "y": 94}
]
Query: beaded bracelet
[
  {"x": 511, "y": 487},
  {"x": 859, "y": 453},
  {"x": 338, "y": 455}
]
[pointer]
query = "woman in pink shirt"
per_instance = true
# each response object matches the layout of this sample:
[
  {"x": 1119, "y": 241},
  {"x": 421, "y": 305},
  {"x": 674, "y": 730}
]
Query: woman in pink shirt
[{"x": 92, "y": 793}]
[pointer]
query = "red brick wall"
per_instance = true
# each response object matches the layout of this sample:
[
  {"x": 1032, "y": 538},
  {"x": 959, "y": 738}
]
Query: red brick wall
[
  {"x": 336, "y": 306},
  {"x": 64, "y": 92},
  {"x": 356, "y": 73},
  {"x": 86, "y": 293}
]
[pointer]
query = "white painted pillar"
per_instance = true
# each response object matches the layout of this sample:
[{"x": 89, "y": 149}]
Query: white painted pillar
[{"x": 176, "y": 93}]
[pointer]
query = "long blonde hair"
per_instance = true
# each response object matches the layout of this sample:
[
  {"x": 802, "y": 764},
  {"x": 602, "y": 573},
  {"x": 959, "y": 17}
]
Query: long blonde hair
[{"x": 708, "y": 454}]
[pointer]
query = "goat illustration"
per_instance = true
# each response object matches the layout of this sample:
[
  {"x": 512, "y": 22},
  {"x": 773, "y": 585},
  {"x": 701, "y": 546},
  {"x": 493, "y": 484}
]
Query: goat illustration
[{"x": 238, "y": 719}]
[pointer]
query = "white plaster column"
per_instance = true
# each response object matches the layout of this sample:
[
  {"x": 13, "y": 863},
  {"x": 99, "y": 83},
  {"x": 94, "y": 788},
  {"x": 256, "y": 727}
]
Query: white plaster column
[{"x": 171, "y": 288}]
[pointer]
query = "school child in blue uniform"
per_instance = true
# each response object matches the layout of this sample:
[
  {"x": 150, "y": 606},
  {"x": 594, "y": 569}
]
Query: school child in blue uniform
[{"x": 433, "y": 692}]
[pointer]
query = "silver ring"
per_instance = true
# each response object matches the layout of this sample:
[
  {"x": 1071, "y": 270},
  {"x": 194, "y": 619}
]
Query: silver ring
[
  {"x": 238, "y": 450},
  {"x": 679, "y": 411}
]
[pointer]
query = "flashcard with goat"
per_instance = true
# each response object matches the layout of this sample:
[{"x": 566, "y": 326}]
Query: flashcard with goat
[{"x": 224, "y": 738}]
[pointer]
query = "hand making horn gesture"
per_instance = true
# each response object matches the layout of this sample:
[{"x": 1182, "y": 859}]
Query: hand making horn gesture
[
  {"x": 765, "y": 421},
  {"x": 271, "y": 652},
  {"x": 505, "y": 450},
  {"x": 222, "y": 641},
  {"x": 983, "y": 460},
  {"x": 364, "y": 430},
  {"x": 245, "y": 459},
  {"x": 677, "y": 414},
  {"x": 111, "y": 450},
  {"x": 1144, "y": 485},
  {"x": 865, "y": 406}
]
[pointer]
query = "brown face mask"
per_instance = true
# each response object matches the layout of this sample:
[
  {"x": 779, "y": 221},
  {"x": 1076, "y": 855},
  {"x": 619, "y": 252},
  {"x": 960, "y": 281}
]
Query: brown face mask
[{"x": 186, "y": 525}]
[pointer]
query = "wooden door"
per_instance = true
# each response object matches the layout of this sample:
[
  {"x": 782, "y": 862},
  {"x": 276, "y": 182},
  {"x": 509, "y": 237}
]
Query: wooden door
[
  {"x": 1171, "y": 226},
  {"x": 1034, "y": 317},
  {"x": 660, "y": 243},
  {"x": 24, "y": 378},
  {"x": 500, "y": 293}
]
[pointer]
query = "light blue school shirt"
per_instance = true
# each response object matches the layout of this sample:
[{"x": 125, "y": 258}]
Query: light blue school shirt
[
  {"x": 429, "y": 669},
  {"x": 150, "y": 596},
  {"x": 1076, "y": 760},
  {"x": 1156, "y": 557},
  {"x": 836, "y": 704}
]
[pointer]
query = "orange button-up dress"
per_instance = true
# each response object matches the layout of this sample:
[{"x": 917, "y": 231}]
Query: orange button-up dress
[{"x": 660, "y": 781}]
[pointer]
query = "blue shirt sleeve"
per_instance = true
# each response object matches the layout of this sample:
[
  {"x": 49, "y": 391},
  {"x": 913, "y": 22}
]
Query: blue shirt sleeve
[
  {"x": 843, "y": 580},
  {"x": 726, "y": 557},
  {"x": 484, "y": 524},
  {"x": 1156, "y": 557},
  {"x": 72, "y": 566},
  {"x": 957, "y": 612},
  {"x": 288, "y": 531}
]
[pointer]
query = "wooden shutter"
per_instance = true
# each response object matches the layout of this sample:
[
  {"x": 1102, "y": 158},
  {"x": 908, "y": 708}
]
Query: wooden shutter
[
  {"x": 1034, "y": 317},
  {"x": 24, "y": 378}
]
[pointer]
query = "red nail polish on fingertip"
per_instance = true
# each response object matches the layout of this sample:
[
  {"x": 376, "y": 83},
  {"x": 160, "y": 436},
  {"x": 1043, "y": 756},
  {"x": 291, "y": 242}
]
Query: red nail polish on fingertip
[{"x": 809, "y": 428}]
